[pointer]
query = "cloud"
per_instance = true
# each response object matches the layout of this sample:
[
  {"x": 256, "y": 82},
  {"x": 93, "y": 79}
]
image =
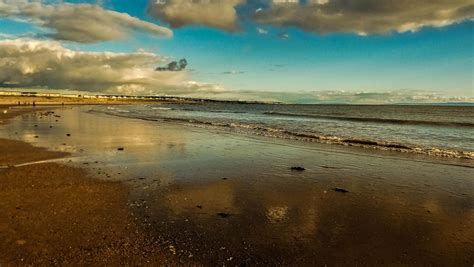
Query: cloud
[
  {"x": 337, "y": 97},
  {"x": 220, "y": 14},
  {"x": 6, "y": 35},
  {"x": 47, "y": 64},
  {"x": 283, "y": 36},
  {"x": 366, "y": 16},
  {"x": 362, "y": 17},
  {"x": 15, "y": 36},
  {"x": 388, "y": 97},
  {"x": 262, "y": 31},
  {"x": 89, "y": 23},
  {"x": 195, "y": 87},
  {"x": 84, "y": 23},
  {"x": 368, "y": 97},
  {"x": 233, "y": 72},
  {"x": 174, "y": 66}
]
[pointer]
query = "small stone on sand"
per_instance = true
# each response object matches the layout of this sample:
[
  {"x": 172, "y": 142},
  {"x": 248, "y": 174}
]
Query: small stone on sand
[
  {"x": 298, "y": 168},
  {"x": 223, "y": 215},
  {"x": 340, "y": 190}
]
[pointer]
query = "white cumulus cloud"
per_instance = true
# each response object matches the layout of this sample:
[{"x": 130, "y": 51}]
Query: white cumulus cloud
[
  {"x": 85, "y": 23},
  {"x": 47, "y": 64}
]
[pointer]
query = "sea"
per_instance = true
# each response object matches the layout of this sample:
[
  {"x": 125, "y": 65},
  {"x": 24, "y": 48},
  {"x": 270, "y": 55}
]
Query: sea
[{"x": 436, "y": 130}]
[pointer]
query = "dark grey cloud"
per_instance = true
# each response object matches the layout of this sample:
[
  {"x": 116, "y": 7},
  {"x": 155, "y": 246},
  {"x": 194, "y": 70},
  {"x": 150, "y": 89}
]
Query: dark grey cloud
[
  {"x": 367, "y": 16},
  {"x": 320, "y": 16},
  {"x": 174, "y": 66},
  {"x": 220, "y": 14}
]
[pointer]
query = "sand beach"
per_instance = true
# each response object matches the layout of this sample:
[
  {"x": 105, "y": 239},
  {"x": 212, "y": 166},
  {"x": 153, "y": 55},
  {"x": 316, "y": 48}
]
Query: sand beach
[
  {"x": 236, "y": 133},
  {"x": 103, "y": 190}
]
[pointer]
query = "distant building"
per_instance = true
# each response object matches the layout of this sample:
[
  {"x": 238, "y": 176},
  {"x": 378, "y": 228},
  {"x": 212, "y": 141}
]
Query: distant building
[
  {"x": 10, "y": 93},
  {"x": 29, "y": 93}
]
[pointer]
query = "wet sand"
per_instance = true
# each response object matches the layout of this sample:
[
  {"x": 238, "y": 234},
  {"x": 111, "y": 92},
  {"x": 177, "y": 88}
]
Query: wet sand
[
  {"x": 53, "y": 214},
  {"x": 56, "y": 214},
  {"x": 208, "y": 197}
]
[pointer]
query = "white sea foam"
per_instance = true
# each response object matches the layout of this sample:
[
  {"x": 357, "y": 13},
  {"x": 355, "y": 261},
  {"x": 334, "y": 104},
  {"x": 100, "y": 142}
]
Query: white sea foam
[{"x": 434, "y": 131}]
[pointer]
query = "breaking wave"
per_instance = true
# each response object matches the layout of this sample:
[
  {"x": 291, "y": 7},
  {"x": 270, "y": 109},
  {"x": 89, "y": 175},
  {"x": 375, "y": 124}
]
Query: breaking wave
[
  {"x": 376, "y": 120},
  {"x": 275, "y": 132}
]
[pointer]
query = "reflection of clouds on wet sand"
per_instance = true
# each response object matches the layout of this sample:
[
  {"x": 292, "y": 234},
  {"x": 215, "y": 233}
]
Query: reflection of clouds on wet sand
[
  {"x": 98, "y": 136},
  {"x": 310, "y": 223}
]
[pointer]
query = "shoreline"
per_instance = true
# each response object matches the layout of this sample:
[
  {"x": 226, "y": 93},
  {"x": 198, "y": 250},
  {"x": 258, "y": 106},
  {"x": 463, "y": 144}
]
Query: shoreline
[
  {"x": 205, "y": 197},
  {"x": 368, "y": 146}
]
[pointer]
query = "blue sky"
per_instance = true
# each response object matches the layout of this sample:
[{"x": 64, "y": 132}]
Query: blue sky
[
  {"x": 432, "y": 59},
  {"x": 292, "y": 57}
]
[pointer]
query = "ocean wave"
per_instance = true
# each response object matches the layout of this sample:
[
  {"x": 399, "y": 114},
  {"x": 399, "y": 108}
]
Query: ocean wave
[
  {"x": 213, "y": 111},
  {"x": 162, "y": 108},
  {"x": 309, "y": 137},
  {"x": 375, "y": 120},
  {"x": 273, "y": 132}
]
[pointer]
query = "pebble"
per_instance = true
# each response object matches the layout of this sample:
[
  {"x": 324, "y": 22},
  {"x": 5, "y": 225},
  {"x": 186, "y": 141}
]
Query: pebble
[{"x": 298, "y": 168}]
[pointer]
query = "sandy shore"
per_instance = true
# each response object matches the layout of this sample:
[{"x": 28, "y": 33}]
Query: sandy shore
[
  {"x": 176, "y": 194},
  {"x": 57, "y": 214}
]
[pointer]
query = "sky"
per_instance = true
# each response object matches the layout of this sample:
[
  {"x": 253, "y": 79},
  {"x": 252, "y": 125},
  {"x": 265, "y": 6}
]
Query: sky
[{"x": 311, "y": 51}]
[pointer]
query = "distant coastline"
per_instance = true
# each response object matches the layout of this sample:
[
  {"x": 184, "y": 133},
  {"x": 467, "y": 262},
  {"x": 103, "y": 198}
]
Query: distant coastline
[{"x": 94, "y": 98}]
